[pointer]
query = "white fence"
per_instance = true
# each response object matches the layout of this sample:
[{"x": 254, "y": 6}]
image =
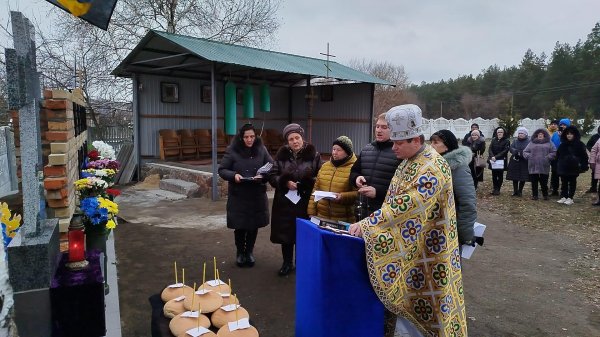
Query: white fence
[
  {"x": 112, "y": 135},
  {"x": 461, "y": 126}
]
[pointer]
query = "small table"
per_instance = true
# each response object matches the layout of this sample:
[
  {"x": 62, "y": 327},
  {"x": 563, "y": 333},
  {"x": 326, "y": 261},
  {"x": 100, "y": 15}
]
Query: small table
[
  {"x": 77, "y": 299},
  {"x": 334, "y": 296}
]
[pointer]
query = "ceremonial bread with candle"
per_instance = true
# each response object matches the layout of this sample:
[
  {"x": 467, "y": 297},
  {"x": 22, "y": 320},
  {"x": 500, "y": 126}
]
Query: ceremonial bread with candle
[
  {"x": 247, "y": 332},
  {"x": 221, "y": 317},
  {"x": 173, "y": 308},
  {"x": 209, "y": 302},
  {"x": 170, "y": 293},
  {"x": 179, "y": 324}
]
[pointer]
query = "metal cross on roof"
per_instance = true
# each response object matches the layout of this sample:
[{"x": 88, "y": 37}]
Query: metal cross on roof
[{"x": 328, "y": 55}]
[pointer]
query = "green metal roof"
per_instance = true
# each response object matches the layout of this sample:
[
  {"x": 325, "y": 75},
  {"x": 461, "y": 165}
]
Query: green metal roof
[{"x": 255, "y": 58}]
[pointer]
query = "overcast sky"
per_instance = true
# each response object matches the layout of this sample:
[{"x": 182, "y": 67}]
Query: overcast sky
[{"x": 432, "y": 39}]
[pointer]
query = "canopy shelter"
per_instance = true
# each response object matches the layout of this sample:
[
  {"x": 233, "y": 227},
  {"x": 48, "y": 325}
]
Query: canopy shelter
[{"x": 192, "y": 62}]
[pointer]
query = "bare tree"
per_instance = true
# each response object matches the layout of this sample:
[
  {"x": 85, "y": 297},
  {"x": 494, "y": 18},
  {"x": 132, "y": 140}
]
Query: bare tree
[
  {"x": 387, "y": 96},
  {"x": 384, "y": 70},
  {"x": 75, "y": 53}
]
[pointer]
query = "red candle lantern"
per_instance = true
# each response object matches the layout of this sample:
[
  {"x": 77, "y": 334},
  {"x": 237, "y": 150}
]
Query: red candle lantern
[{"x": 76, "y": 237}]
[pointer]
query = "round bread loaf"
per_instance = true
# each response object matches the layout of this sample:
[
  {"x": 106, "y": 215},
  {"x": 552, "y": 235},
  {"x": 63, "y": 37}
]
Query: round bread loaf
[
  {"x": 209, "y": 302},
  {"x": 173, "y": 308},
  {"x": 221, "y": 317},
  {"x": 230, "y": 300},
  {"x": 179, "y": 325},
  {"x": 249, "y": 332},
  {"x": 171, "y": 293},
  {"x": 223, "y": 288}
]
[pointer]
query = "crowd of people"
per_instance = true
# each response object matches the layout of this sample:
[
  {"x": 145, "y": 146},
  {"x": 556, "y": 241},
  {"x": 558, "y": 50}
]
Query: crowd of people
[
  {"x": 420, "y": 198},
  {"x": 550, "y": 159}
]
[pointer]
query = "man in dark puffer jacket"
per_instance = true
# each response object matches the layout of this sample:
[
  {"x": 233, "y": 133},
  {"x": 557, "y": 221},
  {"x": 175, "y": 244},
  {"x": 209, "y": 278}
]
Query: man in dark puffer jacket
[{"x": 374, "y": 169}]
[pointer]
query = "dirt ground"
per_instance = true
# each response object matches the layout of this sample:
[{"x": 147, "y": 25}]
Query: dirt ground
[{"x": 536, "y": 275}]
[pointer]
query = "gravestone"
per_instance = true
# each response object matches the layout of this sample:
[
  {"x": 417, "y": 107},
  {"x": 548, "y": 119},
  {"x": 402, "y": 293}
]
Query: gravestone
[
  {"x": 8, "y": 163},
  {"x": 33, "y": 253}
]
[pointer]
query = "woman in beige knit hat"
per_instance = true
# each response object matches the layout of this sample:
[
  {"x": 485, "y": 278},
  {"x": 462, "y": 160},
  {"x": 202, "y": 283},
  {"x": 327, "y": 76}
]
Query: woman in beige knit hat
[{"x": 295, "y": 168}]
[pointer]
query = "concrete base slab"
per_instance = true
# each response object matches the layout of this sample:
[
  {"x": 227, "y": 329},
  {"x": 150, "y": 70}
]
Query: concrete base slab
[
  {"x": 186, "y": 188},
  {"x": 32, "y": 261},
  {"x": 33, "y": 313}
]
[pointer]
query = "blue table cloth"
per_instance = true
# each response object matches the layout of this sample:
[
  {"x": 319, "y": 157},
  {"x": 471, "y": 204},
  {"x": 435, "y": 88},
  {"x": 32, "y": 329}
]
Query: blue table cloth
[{"x": 333, "y": 294}]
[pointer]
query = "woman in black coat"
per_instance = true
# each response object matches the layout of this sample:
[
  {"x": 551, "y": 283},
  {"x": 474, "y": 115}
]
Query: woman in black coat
[
  {"x": 477, "y": 146},
  {"x": 571, "y": 159},
  {"x": 498, "y": 150},
  {"x": 247, "y": 203},
  {"x": 518, "y": 169},
  {"x": 295, "y": 169}
]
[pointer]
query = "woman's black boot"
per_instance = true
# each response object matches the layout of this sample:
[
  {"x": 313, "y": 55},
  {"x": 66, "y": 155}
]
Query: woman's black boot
[
  {"x": 286, "y": 269},
  {"x": 287, "y": 251},
  {"x": 250, "y": 240},
  {"x": 240, "y": 259}
]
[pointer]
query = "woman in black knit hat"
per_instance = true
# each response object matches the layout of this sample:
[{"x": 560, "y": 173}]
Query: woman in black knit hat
[
  {"x": 333, "y": 177},
  {"x": 459, "y": 157}
]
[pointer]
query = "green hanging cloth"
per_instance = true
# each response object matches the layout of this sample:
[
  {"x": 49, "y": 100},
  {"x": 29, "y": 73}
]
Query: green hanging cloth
[
  {"x": 265, "y": 98},
  {"x": 230, "y": 109},
  {"x": 248, "y": 101}
]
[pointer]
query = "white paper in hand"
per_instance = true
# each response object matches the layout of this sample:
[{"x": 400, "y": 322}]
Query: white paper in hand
[
  {"x": 324, "y": 195},
  {"x": 467, "y": 250},
  {"x": 498, "y": 164},
  {"x": 237, "y": 325},
  {"x": 179, "y": 299},
  {"x": 203, "y": 291},
  {"x": 293, "y": 196},
  {"x": 265, "y": 168}
]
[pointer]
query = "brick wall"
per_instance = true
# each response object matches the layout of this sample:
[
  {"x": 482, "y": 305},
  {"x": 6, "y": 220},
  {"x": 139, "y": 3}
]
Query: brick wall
[{"x": 61, "y": 169}]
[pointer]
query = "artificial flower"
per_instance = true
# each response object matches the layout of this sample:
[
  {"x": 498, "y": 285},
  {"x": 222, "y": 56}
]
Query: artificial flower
[
  {"x": 93, "y": 155},
  {"x": 106, "y": 151},
  {"x": 113, "y": 191}
]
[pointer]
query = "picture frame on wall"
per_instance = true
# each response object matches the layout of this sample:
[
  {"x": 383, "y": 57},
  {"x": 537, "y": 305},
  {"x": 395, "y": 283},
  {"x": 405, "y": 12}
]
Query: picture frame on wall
[
  {"x": 206, "y": 94},
  {"x": 169, "y": 92},
  {"x": 327, "y": 93}
]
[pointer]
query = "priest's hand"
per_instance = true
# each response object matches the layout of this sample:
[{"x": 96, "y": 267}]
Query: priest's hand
[
  {"x": 237, "y": 177},
  {"x": 355, "y": 230}
]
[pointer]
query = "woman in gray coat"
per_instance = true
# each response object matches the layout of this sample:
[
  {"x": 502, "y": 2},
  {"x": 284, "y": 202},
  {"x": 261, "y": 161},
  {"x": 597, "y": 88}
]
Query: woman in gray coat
[
  {"x": 458, "y": 157},
  {"x": 247, "y": 203},
  {"x": 539, "y": 153}
]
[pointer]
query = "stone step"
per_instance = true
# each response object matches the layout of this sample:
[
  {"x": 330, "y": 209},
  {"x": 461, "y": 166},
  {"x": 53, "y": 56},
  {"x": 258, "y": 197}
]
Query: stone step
[{"x": 179, "y": 186}]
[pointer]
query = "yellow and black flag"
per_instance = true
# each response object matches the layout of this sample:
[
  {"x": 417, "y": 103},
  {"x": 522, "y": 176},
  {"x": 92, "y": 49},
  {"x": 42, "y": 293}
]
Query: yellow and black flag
[{"x": 96, "y": 12}]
